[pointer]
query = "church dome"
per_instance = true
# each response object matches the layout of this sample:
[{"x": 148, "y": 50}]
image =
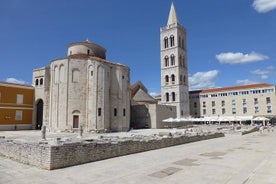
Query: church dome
[{"x": 86, "y": 48}]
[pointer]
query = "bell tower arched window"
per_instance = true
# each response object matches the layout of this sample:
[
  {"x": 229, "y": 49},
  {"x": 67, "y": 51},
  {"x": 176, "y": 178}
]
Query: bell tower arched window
[
  {"x": 173, "y": 78},
  {"x": 173, "y": 96},
  {"x": 167, "y": 97},
  {"x": 166, "y": 80},
  {"x": 166, "y": 42},
  {"x": 36, "y": 82},
  {"x": 166, "y": 61},
  {"x": 172, "y": 60},
  {"x": 41, "y": 81},
  {"x": 172, "y": 40}
]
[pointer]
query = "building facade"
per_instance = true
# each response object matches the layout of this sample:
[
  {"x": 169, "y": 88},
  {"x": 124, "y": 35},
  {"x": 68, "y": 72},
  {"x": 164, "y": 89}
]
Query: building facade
[
  {"x": 174, "y": 66},
  {"x": 145, "y": 112},
  {"x": 82, "y": 89},
  {"x": 16, "y": 106},
  {"x": 247, "y": 100}
]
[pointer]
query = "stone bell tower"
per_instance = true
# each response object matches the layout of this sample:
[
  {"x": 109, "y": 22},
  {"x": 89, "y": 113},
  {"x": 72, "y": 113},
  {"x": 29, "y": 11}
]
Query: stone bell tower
[{"x": 174, "y": 66}]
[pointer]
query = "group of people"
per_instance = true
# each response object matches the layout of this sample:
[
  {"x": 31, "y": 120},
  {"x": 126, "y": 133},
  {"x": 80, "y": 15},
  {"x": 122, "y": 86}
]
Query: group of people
[{"x": 268, "y": 127}]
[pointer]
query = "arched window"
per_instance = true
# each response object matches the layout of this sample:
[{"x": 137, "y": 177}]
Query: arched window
[
  {"x": 172, "y": 60},
  {"x": 179, "y": 42},
  {"x": 166, "y": 80},
  {"x": 173, "y": 78},
  {"x": 41, "y": 81},
  {"x": 184, "y": 79},
  {"x": 180, "y": 78},
  {"x": 167, "y": 97},
  {"x": 36, "y": 82},
  {"x": 166, "y": 42},
  {"x": 56, "y": 74},
  {"x": 115, "y": 112},
  {"x": 76, "y": 75},
  {"x": 173, "y": 96},
  {"x": 172, "y": 40},
  {"x": 61, "y": 73},
  {"x": 180, "y": 59},
  {"x": 124, "y": 112},
  {"x": 166, "y": 61}
]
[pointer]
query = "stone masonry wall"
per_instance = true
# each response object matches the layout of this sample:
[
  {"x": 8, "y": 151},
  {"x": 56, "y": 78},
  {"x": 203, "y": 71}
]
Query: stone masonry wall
[
  {"x": 26, "y": 153},
  {"x": 66, "y": 154}
]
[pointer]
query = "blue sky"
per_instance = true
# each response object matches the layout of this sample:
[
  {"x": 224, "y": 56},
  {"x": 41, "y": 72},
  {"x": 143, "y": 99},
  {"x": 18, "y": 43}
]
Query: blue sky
[{"x": 230, "y": 42}]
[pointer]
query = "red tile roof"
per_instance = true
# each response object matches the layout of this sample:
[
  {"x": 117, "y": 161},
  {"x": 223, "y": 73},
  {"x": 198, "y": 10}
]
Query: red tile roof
[
  {"x": 10, "y": 84},
  {"x": 250, "y": 86},
  {"x": 85, "y": 56}
]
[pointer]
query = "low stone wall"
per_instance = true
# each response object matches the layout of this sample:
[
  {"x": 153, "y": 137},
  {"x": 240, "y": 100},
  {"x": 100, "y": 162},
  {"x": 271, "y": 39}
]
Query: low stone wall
[
  {"x": 254, "y": 129},
  {"x": 27, "y": 153},
  {"x": 64, "y": 154},
  {"x": 13, "y": 127}
]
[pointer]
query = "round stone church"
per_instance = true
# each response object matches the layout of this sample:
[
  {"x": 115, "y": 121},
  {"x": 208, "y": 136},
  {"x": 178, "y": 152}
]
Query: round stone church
[{"x": 82, "y": 88}]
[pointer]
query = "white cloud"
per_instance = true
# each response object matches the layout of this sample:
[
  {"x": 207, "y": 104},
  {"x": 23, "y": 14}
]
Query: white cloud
[
  {"x": 264, "y": 76},
  {"x": 270, "y": 67},
  {"x": 14, "y": 80},
  {"x": 240, "y": 58},
  {"x": 262, "y": 73},
  {"x": 263, "y": 6},
  {"x": 203, "y": 80},
  {"x": 246, "y": 82},
  {"x": 153, "y": 94}
]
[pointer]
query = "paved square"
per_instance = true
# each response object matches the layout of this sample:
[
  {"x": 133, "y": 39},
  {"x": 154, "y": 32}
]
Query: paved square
[{"x": 255, "y": 163}]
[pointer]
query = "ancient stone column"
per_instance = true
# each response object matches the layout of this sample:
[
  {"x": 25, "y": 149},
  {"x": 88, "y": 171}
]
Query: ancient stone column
[
  {"x": 80, "y": 131},
  {"x": 43, "y": 132}
]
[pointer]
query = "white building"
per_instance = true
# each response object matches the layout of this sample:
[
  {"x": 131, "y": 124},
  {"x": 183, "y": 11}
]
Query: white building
[
  {"x": 82, "y": 88},
  {"x": 174, "y": 67},
  {"x": 247, "y": 100}
]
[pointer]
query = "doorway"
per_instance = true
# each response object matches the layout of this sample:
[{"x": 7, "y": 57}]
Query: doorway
[
  {"x": 39, "y": 114},
  {"x": 75, "y": 121}
]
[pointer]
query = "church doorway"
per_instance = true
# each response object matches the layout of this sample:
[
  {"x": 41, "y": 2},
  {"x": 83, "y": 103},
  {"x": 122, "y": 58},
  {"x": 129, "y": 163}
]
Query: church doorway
[
  {"x": 75, "y": 121},
  {"x": 39, "y": 114}
]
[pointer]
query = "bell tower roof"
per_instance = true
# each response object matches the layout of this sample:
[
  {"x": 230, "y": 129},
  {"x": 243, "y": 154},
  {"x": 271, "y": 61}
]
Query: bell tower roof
[{"x": 172, "y": 16}]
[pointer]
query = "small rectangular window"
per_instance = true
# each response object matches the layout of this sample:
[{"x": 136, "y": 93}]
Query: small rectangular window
[
  {"x": 213, "y": 103},
  {"x": 213, "y": 111},
  {"x": 222, "y": 103},
  {"x": 99, "y": 111},
  {"x": 115, "y": 112},
  {"x": 19, "y": 99},
  {"x": 269, "y": 109},
  {"x": 18, "y": 115},
  {"x": 124, "y": 112},
  {"x": 268, "y": 101},
  {"x": 244, "y": 110},
  {"x": 204, "y": 104},
  {"x": 243, "y": 101},
  {"x": 256, "y": 101},
  {"x": 256, "y": 110},
  {"x": 234, "y": 111}
]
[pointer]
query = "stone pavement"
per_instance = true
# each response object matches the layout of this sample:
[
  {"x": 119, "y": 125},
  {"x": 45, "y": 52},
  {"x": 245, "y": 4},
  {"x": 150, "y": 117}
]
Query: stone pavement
[{"x": 233, "y": 159}]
